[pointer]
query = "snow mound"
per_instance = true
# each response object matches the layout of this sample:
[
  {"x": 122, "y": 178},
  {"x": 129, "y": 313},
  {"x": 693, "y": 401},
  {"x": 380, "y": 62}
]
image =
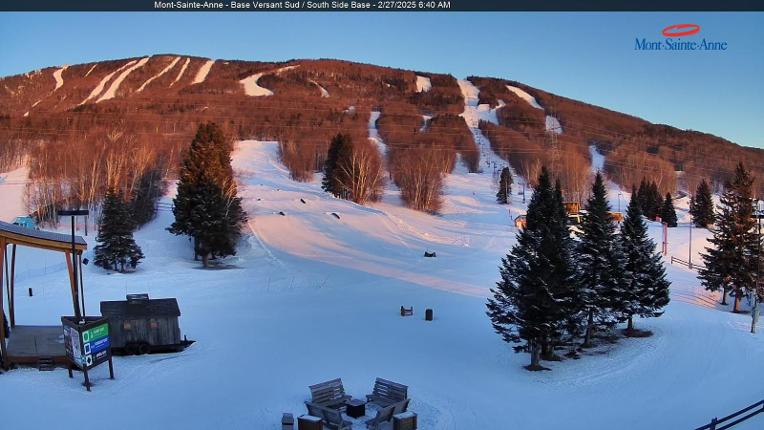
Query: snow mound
[
  {"x": 162, "y": 72},
  {"x": 201, "y": 75},
  {"x": 99, "y": 88},
  {"x": 112, "y": 91},
  {"x": 525, "y": 96},
  {"x": 59, "y": 79},
  {"x": 182, "y": 70},
  {"x": 423, "y": 84}
]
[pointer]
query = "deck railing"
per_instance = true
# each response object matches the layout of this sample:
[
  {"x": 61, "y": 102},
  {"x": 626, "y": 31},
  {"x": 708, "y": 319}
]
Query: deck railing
[{"x": 735, "y": 418}]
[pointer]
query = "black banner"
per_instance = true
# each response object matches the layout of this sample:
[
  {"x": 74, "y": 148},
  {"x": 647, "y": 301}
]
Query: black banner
[{"x": 380, "y": 5}]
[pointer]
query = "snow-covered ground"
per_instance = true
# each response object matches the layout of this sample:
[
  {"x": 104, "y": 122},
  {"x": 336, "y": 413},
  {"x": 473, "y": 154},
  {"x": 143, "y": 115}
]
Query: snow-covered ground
[
  {"x": 181, "y": 71},
  {"x": 12, "y": 187},
  {"x": 310, "y": 297},
  {"x": 204, "y": 70},
  {"x": 252, "y": 89},
  {"x": 112, "y": 91},
  {"x": 324, "y": 92},
  {"x": 423, "y": 84},
  {"x": 162, "y": 72},
  {"x": 57, "y": 75},
  {"x": 99, "y": 88}
]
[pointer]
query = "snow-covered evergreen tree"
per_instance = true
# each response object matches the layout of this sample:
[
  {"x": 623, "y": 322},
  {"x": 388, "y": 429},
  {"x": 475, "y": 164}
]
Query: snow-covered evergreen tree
[
  {"x": 116, "y": 247},
  {"x": 601, "y": 276},
  {"x": 647, "y": 289},
  {"x": 702, "y": 206},
  {"x": 731, "y": 262},
  {"x": 505, "y": 187},
  {"x": 668, "y": 213},
  {"x": 533, "y": 297},
  {"x": 207, "y": 190}
]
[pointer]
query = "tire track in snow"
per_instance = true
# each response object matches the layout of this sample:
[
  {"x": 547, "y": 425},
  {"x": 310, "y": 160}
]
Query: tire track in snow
[
  {"x": 165, "y": 70},
  {"x": 112, "y": 91}
]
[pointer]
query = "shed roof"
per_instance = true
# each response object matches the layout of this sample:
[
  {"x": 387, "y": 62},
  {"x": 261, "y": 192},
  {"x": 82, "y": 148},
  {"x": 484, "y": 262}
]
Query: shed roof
[
  {"x": 40, "y": 238},
  {"x": 151, "y": 308}
]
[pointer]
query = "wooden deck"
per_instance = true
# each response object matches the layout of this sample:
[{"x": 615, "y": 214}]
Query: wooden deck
[{"x": 28, "y": 344}]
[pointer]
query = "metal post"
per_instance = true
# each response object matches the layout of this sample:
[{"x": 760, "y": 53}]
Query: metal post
[
  {"x": 689, "y": 251},
  {"x": 74, "y": 264}
]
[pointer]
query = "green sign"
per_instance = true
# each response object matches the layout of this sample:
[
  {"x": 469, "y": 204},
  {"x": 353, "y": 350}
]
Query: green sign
[{"x": 95, "y": 333}]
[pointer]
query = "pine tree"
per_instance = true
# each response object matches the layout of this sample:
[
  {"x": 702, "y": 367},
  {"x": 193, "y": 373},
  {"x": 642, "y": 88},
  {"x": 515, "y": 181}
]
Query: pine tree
[
  {"x": 340, "y": 149},
  {"x": 651, "y": 201},
  {"x": 668, "y": 214},
  {"x": 207, "y": 184},
  {"x": 702, "y": 206},
  {"x": 505, "y": 187},
  {"x": 600, "y": 263},
  {"x": 647, "y": 289},
  {"x": 731, "y": 262},
  {"x": 642, "y": 195},
  {"x": 116, "y": 247},
  {"x": 532, "y": 300}
]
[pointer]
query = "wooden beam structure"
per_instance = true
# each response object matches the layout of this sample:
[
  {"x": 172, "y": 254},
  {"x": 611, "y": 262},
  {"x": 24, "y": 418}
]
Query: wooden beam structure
[{"x": 14, "y": 235}]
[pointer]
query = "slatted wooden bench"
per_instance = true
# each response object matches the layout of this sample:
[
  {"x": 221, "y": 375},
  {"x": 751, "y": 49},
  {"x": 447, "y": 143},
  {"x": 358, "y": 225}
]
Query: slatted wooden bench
[
  {"x": 332, "y": 417},
  {"x": 387, "y": 392},
  {"x": 386, "y": 414},
  {"x": 329, "y": 394}
]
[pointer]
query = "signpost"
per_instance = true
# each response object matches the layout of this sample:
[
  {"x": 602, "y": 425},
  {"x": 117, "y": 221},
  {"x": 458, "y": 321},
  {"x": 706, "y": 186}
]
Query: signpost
[{"x": 87, "y": 344}]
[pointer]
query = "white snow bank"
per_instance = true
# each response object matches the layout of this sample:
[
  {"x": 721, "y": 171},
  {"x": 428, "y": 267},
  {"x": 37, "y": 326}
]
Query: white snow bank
[
  {"x": 182, "y": 70},
  {"x": 252, "y": 89},
  {"x": 553, "y": 125},
  {"x": 162, "y": 72},
  {"x": 324, "y": 93},
  {"x": 423, "y": 84},
  {"x": 525, "y": 96},
  {"x": 97, "y": 90},
  {"x": 57, "y": 75},
  {"x": 201, "y": 75}
]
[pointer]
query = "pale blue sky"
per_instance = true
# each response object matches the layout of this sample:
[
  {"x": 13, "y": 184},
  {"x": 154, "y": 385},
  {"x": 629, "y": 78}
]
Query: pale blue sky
[{"x": 585, "y": 56}]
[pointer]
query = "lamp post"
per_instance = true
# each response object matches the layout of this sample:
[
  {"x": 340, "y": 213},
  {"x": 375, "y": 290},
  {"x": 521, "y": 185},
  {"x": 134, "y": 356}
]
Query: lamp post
[
  {"x": 75, "y": 213},
  {"x": 620, "y": 194}
]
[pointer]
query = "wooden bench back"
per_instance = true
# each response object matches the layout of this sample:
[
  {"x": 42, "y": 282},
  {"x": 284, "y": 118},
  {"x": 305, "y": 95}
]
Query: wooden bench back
[
  {"x": 327, "y": 392},
  {"x": 389, "y": 390}
]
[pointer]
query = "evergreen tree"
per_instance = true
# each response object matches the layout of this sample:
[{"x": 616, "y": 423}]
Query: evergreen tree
[
  {"x": 647, "y": 290},
  {"x": 731, "y": 263},
  {"x": 668, "y": 214},
  {"x": 505, "y": 187},
  {"x": 702, "y": 206},
  {"x": 652, "y": 201},
  {"x": 340, "y": 149},
  {"x": 642, "y": 195},
  {"x": 532, "y": 300},
  {"x": 600, "y": 262},
  {"x": 116, "y": 247},
  {"x": 207, "y": 184}
]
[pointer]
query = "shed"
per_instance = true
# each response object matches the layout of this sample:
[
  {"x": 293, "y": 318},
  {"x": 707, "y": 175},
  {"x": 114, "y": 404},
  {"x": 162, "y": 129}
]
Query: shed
[
  {"x": 25, "y": 221},
  {"x": 142, "y": 325}
]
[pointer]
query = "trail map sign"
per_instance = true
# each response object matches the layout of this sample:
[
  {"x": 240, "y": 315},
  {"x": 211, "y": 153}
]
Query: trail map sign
[{"x": 87, "y": 344}]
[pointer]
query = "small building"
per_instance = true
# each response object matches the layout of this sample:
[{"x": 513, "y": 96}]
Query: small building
[
  {"x": 521, "y": 221},
  {"x": 616, "y": 216},
  {"x": 25, "y": 221},
  {"x": 142, "y": 325},
  {"x": 572, "y": 208}
]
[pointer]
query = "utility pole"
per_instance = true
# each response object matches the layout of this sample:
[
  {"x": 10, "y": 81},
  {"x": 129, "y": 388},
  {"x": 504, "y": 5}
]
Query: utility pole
[
  {"x": 689, "y": 252},
  {"x": 758, "y": 288}
]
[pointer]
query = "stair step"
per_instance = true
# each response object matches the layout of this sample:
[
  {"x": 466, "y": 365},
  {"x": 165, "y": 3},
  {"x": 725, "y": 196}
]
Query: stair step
[{"x": 45, "y": 364}]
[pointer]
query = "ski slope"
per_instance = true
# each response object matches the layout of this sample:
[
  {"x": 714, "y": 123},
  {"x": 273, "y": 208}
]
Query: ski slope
[{"x": 310, "y": 297}]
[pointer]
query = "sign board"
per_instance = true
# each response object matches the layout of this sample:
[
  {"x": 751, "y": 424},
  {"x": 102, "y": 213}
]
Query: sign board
[{"x": 87, "y": 344}]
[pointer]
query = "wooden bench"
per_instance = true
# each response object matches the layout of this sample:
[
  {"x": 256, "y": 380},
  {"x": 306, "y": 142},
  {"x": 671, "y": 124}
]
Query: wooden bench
[
  {"x": 407, "y": 311},
  {"x": 386, "y": 414},
  {"x": 329, "y": 394},
  {"x": 332, "y": 417},
  {"x": 386, "y": 393}
]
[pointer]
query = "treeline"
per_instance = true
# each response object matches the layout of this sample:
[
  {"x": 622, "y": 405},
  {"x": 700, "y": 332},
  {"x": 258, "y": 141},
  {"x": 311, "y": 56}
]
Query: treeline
[{"x": 555, "y": 293}]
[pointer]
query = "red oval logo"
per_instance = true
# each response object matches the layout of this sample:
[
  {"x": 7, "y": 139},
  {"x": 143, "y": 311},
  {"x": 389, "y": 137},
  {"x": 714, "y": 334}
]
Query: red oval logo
[{"x": 679, "y": 30}]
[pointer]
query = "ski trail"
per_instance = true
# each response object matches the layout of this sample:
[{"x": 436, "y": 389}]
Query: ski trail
[
  {"x": 525, "y": 96},
  {"x": 423, "y": 84},
  {"x": 59, "y": 79},
  {"x": 374, "y": 133},
  {"x": 97, "y": 90},
  {"x": 201, "y": 75},
  {"x": 324, "y": 93},
  {"x": 553, "y": 125},
  {"x": 112, "y": 91},
  {"x": 180, "y": 73},
  {"x": 252, "y": 89},
  {"x": 91, "y": 69},
  {"x": 473, "y": 114},
  {"x": 165, "y": 70}
]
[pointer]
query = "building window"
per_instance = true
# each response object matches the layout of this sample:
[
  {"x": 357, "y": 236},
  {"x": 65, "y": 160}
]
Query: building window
[{"x": 126, "y": 325}]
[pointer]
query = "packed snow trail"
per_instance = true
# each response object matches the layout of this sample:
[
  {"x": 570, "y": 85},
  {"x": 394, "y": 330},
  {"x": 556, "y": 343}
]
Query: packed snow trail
[
  {"x": 162, "y": 72},
  {"x": 324, "y": 93},
  {"x": 204, "y": 70},
  {"x": 112, "y": 91},
  {"x": 252, "y": 89},
  {"x": 90, "y": 70},
  {"x": 57, "y": 75},
  {"x": 525, "y": 96},
  {"x": 180, "y": 73},
  {"x": 423, "y": 84},
  {"x": 99, "y": 88}
]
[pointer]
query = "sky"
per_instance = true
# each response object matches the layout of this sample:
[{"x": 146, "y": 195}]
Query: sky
[{"x": 585, "y": 56}]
